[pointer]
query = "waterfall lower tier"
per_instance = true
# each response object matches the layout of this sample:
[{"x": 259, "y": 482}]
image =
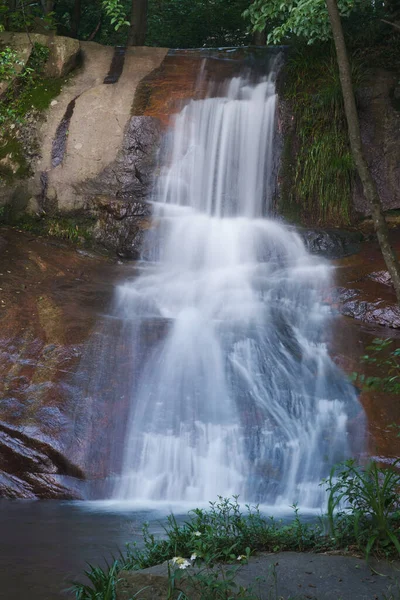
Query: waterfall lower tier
[{"x": 238, "y": 395}]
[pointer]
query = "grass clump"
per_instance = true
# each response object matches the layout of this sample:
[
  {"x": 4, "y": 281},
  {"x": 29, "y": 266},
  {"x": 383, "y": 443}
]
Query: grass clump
[
  {"x": 317, "y": 166},
  {"x": 75, "y": 229},
  {"x": 102, "y": 583},
  {"x": 363, "y": 517},
  {"x": 372, "y": 497}
]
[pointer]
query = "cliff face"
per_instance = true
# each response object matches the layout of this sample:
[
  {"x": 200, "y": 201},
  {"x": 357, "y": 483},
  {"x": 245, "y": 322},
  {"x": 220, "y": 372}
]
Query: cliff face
[{"x": 379, "y": 112}]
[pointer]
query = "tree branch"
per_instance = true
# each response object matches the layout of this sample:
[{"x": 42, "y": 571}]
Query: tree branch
[{"x": 392, "y": 24}]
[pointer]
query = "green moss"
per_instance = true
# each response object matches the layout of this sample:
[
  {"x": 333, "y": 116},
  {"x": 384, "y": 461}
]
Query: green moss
[
  {"x": 40, "y": 94},
  {"x": 30, "y": 90},
  {"x": 76, "y": 229},
  {"x": 13, "y": 164}
]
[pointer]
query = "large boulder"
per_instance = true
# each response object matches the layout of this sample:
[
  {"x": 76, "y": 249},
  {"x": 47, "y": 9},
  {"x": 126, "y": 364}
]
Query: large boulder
[{"x": 63, "y": 57}]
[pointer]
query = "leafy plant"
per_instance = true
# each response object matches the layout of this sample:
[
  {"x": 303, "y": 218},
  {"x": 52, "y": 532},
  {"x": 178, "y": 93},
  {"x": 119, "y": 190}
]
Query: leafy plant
[
  {"x": 115, "y": 11},
  {"x": 372, "y": 496},
  {"x": 384, "y": 358},
  {"x": 31, "y": 89},
  {"x": 9, "y": 61},
  {"x": 307, "y": 19},
  {"x": 103, "y": 583}
]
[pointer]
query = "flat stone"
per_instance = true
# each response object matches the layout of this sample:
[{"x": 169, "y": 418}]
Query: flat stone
[{"x": 281, "y": 575}]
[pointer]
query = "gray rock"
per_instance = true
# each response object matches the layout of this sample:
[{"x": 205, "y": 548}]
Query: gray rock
[
  {"x": 379, "y": 312},
  {"x": 331, "y": 243},
  {"x": 129, "y": 177},
  {"x": 63, "y": 57},
  {"x": 381, "y": 277},
  {"x": 118, "y": 194}
]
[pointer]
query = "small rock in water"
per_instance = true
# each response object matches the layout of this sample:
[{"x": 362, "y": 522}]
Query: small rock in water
[{"x": 381, "y": 277}]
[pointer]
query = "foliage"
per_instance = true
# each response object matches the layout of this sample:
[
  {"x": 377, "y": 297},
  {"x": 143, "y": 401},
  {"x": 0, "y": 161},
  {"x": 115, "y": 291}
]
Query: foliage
[
  {"x": 25, "y": 16},
  {"x": 103, "y": 583},
  {"x": 372, "y": 495},
  {"x": 115, "y": 11},
  {"x": 76, "y": 230},
  {"x": 203, "y": 23},
  {"x": 305, "y": 19},
  {"x": 318, "y": 169},
  {"x": 9, "y": 60},
  {"x": 383, "y": 358},
  {"x": 30, "y": 91},
  {"x": 225, "y": 535}
]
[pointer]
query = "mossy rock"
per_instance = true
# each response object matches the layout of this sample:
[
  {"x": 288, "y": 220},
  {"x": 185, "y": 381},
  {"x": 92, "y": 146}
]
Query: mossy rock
[{"x": 13, "y": 163}]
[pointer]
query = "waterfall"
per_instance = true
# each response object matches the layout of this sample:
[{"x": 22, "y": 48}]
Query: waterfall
[{"x": 236, "y": 392}]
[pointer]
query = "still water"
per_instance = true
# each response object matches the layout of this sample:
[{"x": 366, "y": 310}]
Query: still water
[{"x": 45, "y": 545}]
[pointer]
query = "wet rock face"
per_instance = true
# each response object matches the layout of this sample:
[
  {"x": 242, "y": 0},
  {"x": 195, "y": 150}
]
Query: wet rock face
[
  {"x": 331, "y": 243},
  {"x": 364, "y": 291},
  {"x": 119, "y": 193},
  {"x": 130, "y": 175},
  {"x": 50, "y": 299},
  {"x": 121, "y": 225},
  {"x": 352, "y": 305}
]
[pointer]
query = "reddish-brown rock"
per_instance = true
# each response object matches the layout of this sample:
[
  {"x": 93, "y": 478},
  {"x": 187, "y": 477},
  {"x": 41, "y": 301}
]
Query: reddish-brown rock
[{"x": 50, "y": 298}]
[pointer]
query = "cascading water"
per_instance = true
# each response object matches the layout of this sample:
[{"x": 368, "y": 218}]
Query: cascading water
[{"x": 239, "y": 396}]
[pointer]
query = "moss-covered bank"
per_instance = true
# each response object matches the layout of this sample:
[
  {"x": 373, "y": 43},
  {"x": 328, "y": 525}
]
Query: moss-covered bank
[{"x": 318, "y": 180}]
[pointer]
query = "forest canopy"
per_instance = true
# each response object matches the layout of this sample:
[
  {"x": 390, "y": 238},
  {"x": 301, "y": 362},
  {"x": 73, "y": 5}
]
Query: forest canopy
[{"x": 199, "y": 23}]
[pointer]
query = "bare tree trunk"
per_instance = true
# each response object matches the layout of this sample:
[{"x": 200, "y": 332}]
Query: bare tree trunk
[
  {"x": 12, "y": 5},
  {"x": 76, "y": 17},
  {"x": 138, "y": 20},
  {"x": 47, "y": 6},
  {"x": 260, "y": 38},
  {"x": 368, "y": 183}
]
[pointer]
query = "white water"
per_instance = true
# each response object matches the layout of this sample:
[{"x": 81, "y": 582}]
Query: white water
[{"x": 237, "y": 395}]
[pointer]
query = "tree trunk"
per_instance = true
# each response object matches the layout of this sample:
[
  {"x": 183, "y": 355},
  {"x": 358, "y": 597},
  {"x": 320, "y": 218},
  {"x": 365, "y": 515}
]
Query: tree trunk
[
  {"x": 12, "y": 5},
  {"x": 138, "y": 20},
  {"x": 368, "y": 183},
  {"x": 76, "y": 17},
  {"x": 48, "y": 6},
  {"x": 260, "y": 38}
]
